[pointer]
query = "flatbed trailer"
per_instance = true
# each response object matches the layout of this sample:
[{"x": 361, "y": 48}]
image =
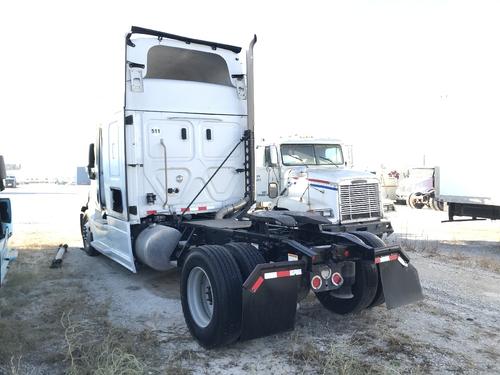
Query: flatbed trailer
[{"x": 173, "y": 184}]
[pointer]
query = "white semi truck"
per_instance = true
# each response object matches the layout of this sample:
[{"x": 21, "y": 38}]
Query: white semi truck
[
  {"x": 313, "y": 175},
  {"x": 173, "y": 182}
]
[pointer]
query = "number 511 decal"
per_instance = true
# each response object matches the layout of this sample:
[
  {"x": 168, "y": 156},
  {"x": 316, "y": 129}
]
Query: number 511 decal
[{"x": 155, "y": 130}]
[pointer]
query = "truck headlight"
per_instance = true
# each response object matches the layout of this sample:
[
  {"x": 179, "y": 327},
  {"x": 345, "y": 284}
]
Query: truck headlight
[{"x": 325, "y": 213}]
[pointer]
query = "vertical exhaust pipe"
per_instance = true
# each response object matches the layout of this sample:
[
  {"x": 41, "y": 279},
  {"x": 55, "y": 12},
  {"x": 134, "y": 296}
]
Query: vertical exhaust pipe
[
  {"x": 250, "y": 199},
  {"x": 251, "y": 117}
]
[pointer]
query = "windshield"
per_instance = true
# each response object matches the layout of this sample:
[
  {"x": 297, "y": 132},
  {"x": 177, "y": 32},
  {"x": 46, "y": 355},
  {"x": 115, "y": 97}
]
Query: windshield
[{"x": 311, "y": 154}]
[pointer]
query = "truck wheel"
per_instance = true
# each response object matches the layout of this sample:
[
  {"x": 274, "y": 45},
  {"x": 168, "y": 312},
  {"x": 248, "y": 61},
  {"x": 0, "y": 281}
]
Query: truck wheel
[
  {"x": 433, "y": 203},
  {"x": 440, "y": 206},
  {"x": 436, "y": 204},
  {"x": 246, "y": 256},
  {"x": 430, "y": 203},
  {"x": 374, "y": 241},
  {"x": 211, "y": 295},
  {"x": 412, "y": 202},
  {"x": 363, "y": 290},
  {"x": 87, "y": 236},
  {"x": 409, "y": 201}
]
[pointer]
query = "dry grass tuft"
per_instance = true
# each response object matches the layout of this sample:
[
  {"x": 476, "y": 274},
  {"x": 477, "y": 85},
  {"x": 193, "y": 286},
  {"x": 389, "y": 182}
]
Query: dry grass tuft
[
  {"x": 335, "y": 359},
  {"x": 15, "y": 366},
  {"x": 488, "y": 264},
  {"x": 331, "y": 361},
  {"x": 89, "y": 352},
  {"x": 430, "y": 249}
]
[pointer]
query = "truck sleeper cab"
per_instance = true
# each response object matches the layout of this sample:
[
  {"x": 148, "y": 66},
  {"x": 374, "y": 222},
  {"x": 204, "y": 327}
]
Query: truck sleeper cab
[
  {"x": 311, "y": 175},
  {"x": 172, "y": 181}
]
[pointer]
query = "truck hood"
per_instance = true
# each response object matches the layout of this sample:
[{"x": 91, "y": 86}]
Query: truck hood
[{"x": 336, "y": 176}]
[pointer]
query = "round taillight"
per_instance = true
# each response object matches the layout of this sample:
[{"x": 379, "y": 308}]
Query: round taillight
[
  {"x": 346, "y": 253},
  {"x": 316, "y": 282},
  {"x": 337, "y": 279},
  {"x": 326, "y": 272}
]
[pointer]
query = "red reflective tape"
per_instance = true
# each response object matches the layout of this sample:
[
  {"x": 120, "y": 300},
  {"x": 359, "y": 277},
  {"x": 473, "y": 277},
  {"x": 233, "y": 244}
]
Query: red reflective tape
[
  {"x": 386, "y": 258},
  {"x": 284, "y": 273},
  {"x": 184, "y": 209},
  {"x": 151, "y": 212},
  {"x": 256, "y": 285},
  {"x": 202, "y": 208},
  {"x": 320, "y": 181}
]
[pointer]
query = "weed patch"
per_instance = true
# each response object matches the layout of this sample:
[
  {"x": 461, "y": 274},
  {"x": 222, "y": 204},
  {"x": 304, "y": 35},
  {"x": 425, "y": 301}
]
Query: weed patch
[
  {"x": 334, "y": 360},
  {"x": 94, "y": 350}
]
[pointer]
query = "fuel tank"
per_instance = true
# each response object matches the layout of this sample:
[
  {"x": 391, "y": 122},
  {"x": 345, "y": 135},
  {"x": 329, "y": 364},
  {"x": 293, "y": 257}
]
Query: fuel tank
[{"x": 155, "y": 244}]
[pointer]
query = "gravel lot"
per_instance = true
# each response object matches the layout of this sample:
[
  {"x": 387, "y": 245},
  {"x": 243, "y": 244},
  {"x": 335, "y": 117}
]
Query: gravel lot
[{"x": 92, "y": 314}]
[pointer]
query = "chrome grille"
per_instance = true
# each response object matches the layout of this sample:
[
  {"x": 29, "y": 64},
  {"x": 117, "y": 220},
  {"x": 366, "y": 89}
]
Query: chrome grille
[{"x": 359, "y": 202}]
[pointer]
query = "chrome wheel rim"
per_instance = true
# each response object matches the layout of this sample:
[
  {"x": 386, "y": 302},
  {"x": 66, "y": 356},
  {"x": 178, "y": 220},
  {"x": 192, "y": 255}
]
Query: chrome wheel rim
[{"x": 200, "y": 297}]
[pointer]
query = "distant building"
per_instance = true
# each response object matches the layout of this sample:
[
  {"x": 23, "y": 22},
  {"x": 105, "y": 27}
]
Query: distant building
[{"x": 82, "y": 177}]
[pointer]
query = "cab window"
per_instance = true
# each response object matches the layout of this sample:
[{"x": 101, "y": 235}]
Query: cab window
[{"x": 187, "y": 65}]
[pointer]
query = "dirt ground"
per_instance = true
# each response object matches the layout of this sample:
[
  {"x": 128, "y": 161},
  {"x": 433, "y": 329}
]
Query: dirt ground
[{"x": 93, "y": 316}]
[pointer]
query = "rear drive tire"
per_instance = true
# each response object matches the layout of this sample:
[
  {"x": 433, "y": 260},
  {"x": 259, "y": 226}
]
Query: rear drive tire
[
  {"x": 441, "y": 206},
  {"x": 435, "y": 205},
  {"x": 412, "y": 202},
  {"x": 363, "y": 290},
  {"x": 246, "y": 256},
  {"x": 430, "y": 203},
  {"x": 374, "y": 241},
  {"x": 211, "y": 295},
  {"x": 87, "y": 236},
  {"x": 409, "y": 201}
]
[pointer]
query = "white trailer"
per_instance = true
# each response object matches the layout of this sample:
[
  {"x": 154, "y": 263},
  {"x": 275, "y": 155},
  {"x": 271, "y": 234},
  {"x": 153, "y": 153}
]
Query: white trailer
[
  {"x": 313, "y": 175},
  {"x": 469, "y": 190},
  {"x": 173, "y": 183}
]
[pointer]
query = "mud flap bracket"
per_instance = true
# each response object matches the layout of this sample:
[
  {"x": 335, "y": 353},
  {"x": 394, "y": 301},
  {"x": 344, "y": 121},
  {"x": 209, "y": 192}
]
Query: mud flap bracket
[{"x": 270, "y": 298}]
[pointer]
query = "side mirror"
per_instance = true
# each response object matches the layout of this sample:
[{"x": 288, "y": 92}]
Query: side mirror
[
  {"x": 91, "y": 165},
  {"x": 3, "y": 173},
  {"x": 272, "y": 190}
]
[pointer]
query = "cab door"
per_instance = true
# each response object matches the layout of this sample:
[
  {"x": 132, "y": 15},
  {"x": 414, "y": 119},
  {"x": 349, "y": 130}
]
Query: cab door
[
  {"x": 114, "y": 186},
  {"x": 109, "y": 223}
]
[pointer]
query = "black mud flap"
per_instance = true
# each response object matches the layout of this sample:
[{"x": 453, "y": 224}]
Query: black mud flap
[
  {"x": 400, "y": 283},
  {"x": 270, "y": 299}
]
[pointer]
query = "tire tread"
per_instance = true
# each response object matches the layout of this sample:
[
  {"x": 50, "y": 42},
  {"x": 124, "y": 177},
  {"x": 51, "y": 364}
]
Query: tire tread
[{"x": 225, "y": 276}]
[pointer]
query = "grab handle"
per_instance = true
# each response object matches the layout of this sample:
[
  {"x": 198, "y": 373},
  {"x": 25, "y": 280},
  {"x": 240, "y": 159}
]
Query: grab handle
[{"x": 166, "y": 174}]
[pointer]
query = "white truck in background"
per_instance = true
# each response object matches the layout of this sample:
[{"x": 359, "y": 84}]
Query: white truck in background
[
  {"x": 470, "y": 191},
  {"x": 6, "y": 255},
  {"x": 313, "y": 175}
]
